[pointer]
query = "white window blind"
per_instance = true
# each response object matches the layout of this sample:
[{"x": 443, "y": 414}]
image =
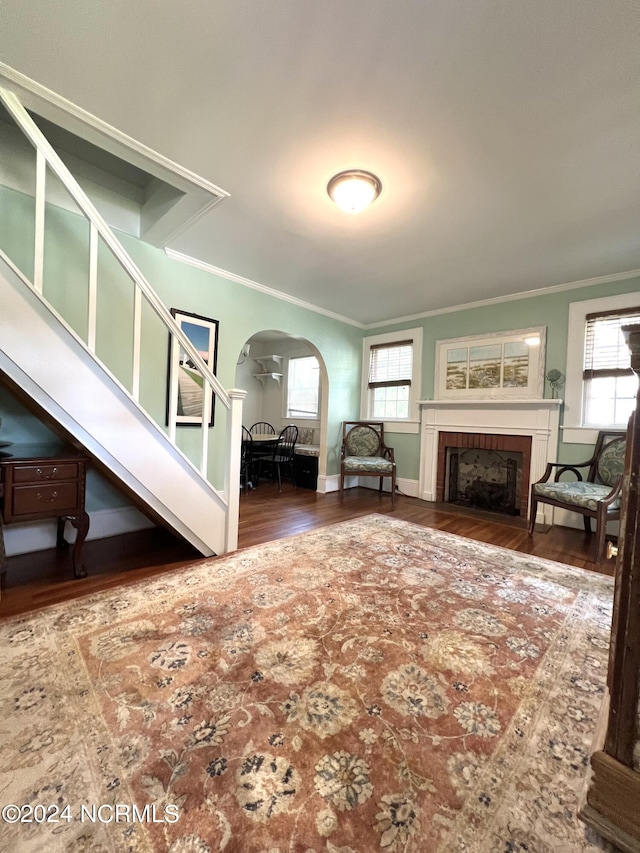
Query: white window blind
[
  {"x": 606, "y": 353},
  {"x": 390, "y": 364}
]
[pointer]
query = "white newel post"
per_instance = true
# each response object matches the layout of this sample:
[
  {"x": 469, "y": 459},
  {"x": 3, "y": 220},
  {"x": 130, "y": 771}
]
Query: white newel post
[{"x": 232, "y": 472}]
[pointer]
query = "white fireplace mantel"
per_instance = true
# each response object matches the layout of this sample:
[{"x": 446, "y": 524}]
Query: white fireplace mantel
[{"x": 538, "y": 418}]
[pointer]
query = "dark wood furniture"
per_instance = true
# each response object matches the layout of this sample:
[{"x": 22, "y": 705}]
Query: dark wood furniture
[
  {"x": 305, "y": 467},
  {"x": 41, "y": 482},
  {"x": 262, "y": 447},
  {"x": 613, "y": 792},
  {"x": 593, "y": 488},
  {"x": 365, "y": 454},
  {"x": 281, "y": 457}
]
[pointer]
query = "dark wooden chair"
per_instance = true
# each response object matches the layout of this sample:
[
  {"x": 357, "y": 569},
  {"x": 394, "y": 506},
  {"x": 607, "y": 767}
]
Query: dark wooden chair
[
  {"x": 281, "y": 456},
  {"x": 595, "y": 491},
  {"x": 262, "y": 428},
  {"x": 246, "y": 461},
  {"x": 365, "y": 454}
]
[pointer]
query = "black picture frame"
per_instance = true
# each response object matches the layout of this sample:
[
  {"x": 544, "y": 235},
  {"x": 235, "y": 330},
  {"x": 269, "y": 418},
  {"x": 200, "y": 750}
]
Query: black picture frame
[{"x": 203, "y": 334}]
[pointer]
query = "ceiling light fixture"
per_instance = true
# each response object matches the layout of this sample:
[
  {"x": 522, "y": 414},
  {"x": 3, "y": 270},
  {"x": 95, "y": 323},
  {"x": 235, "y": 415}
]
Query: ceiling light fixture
[{"x": 354, "y": 190}]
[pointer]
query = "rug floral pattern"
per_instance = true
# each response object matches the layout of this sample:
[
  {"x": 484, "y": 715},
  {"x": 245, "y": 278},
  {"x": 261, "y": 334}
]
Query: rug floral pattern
[{"x": 371, "y": 686}]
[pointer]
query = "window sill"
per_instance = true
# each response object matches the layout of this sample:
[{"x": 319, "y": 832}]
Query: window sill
[
  {"x": 401, "y": 426},
  {"x": 581, "y": 434}
]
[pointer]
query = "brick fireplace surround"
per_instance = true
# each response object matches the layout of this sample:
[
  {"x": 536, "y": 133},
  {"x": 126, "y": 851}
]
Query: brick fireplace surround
[{"x": 528, "y": 426}]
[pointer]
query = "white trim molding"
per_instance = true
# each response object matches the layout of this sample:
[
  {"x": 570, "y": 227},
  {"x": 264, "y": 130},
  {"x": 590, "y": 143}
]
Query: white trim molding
[
  {"x": 573, "y": 429},
  {"x": 412, "y": 423},
  {"x": 41, "y": 535},
  {"x": 536, "y": 418}
]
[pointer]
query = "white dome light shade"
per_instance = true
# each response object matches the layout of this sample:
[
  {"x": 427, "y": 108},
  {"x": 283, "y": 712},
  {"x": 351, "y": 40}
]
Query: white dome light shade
[{"x": 354, "y": 190}]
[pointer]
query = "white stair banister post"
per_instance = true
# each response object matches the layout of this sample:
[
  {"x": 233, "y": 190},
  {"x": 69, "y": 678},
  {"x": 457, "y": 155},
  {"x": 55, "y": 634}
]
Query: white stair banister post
[{"x": 232, "y": 471}]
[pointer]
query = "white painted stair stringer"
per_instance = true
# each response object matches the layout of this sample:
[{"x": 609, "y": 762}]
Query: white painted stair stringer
[{"x": 57, "y": 371}]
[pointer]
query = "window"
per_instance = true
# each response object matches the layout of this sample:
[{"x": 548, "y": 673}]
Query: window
[
  {"x": 303, "y": 383},
  {"x": 610, "y": 386},
  {"x": 392, "y": 379},
  {"x": 584, "y": 415}
]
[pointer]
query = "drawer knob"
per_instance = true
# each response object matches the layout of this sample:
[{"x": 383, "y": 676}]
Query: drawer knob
[
  {"x": 46, "y": 473},
  {"x": 46, "y": 499}
]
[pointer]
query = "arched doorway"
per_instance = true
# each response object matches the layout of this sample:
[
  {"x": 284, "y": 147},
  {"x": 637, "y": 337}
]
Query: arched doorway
[{"x": 264, "y": 370}]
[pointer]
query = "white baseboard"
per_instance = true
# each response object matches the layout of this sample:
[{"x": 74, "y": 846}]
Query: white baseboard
[
  {"x": 565, "y": 518},
  {"x": 404, "y": 485},
  {"x": 328, "y": 484},
  {"x": 332, "y": 484},
  {"x": 41, "y": 535}
]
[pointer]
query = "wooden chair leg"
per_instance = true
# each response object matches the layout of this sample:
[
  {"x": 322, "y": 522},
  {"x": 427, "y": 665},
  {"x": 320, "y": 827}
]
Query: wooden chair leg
[
  {"x": 393, "y": 488},
  {"x": 533, "y": 512},
  {"x": 341, "y": 483},
  {"x": 587, "y": 523},
  {"x": 601, "y": 532}
]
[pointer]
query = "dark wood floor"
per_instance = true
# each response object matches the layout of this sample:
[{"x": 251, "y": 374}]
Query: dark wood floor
[{"x": 44, "y": 577}]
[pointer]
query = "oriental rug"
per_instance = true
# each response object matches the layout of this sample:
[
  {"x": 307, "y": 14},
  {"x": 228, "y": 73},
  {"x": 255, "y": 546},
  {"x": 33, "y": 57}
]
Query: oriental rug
[{"x": 370, "y": 686}]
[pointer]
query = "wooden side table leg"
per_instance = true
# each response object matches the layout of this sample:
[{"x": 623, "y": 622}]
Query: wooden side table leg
[
  {"x": 61, "y": 542},
  {"x": 81, "y": 524}
]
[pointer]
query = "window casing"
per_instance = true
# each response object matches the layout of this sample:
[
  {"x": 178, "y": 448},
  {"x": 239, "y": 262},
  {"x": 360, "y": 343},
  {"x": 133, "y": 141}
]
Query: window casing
[
  {"x": 303, "y": 387},
  {"x": 391, "y": 379},
  {"x": 609, "y": 384},
  {"x": 575, "y": 429}
]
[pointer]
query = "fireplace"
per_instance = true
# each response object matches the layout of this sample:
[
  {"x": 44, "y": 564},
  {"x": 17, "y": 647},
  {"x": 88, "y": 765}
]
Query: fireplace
[
  {"x": 527, "y": 427},
  {"x": 485, "y": 471}
]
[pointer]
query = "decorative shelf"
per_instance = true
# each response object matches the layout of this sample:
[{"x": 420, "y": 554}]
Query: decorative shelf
[
  {"x": 271, "y": 367},
  {"x": 263, "y": 376},
  {"x": 270, "y": 363}
]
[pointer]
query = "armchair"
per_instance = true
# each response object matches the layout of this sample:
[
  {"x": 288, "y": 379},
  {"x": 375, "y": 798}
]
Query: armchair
[
  {"x": 597, "y": 496},
  {"x": 365, "y": 454}
]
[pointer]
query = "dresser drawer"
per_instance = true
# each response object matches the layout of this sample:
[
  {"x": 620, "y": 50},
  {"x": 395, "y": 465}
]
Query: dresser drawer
[
  {"x": 46, "y": 472},
  {"x": 45, "y": 500}
]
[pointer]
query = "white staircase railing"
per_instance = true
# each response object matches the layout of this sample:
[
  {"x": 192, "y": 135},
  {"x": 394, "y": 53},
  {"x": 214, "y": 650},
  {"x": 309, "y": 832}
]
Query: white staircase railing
[{"x": 101, "y": 234}]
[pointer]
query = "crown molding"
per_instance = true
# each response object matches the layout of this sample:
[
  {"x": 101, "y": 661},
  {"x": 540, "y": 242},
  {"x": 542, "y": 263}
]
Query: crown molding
[
  {"x": 254, "y": 285},
  {"x": 276, "y": 294},
  {"x": 511, "y": 297}
]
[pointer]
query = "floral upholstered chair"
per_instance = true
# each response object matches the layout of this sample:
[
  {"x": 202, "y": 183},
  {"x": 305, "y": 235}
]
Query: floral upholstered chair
[
  {"x": 597, "y": 496},
  {"x": 365, "y": 454}
]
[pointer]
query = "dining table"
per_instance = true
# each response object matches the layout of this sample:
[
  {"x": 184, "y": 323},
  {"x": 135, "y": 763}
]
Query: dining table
[{"x": 264, "y": 439}]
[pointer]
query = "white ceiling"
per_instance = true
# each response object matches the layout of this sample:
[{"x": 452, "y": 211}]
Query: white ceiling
[{"x": 506, "y": 134}]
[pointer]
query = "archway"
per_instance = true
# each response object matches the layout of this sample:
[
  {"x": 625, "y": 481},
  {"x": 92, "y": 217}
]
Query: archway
[{"x": 262, "y": 370}]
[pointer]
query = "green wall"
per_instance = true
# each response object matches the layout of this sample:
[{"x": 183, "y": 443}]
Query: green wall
[
  {"x": 550, "y": 310},
  {"x": 243, "y": 312}
]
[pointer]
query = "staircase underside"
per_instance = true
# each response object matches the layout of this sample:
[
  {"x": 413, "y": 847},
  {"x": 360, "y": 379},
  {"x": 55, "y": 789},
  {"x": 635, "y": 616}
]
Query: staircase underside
[{"x": 53, "y": 368}]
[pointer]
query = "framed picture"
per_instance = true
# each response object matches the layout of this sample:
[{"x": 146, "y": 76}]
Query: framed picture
[
  {"x": 203, "y": 334},
  {"x": 497, "y": 366}
]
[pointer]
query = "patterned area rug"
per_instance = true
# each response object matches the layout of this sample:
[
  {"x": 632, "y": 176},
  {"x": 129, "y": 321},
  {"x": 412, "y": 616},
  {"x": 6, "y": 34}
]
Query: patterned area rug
[{"x": 371, "y": 686}]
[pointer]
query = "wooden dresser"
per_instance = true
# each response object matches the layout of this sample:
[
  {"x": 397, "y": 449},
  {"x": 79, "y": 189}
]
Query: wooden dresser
[{"x": 39, "y": 482}]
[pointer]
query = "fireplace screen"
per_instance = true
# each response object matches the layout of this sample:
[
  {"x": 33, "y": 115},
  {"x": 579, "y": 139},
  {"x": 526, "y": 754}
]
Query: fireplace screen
[{"x": 484, "y": 479}]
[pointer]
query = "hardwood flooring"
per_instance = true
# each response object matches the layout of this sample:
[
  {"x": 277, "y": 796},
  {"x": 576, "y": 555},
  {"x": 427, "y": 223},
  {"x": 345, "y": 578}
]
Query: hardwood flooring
[{"x": 45, "y": 577}]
